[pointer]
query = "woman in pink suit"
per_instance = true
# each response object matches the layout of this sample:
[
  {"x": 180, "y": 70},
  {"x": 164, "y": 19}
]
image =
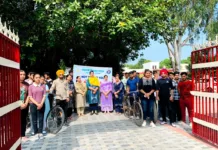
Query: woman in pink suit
[{"x": 106, "y": 95}]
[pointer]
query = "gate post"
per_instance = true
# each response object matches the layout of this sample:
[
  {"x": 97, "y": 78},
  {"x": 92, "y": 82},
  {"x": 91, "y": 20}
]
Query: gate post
[
  {"x": 204, "y": 76},
  {"x": 10, "y": 122}
]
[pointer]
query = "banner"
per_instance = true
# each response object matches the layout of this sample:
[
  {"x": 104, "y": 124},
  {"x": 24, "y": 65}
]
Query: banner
[{"x": 83, "y": 72}]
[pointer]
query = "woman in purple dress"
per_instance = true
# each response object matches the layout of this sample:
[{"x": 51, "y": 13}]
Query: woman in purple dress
[{"x": 106, "y": 95}]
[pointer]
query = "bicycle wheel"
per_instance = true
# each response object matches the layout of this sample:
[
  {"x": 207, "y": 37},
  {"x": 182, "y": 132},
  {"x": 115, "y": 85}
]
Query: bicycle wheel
[
  {"x": 138, "y": 114},
  {"x": 155, "y": 111},
  {"x": 55, "y": 119}
]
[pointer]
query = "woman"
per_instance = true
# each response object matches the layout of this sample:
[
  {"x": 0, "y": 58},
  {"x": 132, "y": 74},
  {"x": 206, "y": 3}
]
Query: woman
[
  {"x": 80, "y": 96},
  {"x": 93, "y": 85},
  {"x": 106, "y": 95},
  {"x": 24, "y": 105},
  {"x": 118, "y": 91},
  {"x": 47, "y": 104},
  {"x": 147, "y": 88},
  {"x": 37, "y": 95}
]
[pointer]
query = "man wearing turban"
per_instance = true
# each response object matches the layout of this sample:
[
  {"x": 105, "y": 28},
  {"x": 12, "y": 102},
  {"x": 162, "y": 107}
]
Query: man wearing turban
[
  {"x": 62, "y": 92},
  {"x": 165, "y": 95}
]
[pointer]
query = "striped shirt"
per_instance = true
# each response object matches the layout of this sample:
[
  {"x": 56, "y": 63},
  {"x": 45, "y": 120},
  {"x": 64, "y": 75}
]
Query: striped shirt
[{"x": 175, "y": 91}]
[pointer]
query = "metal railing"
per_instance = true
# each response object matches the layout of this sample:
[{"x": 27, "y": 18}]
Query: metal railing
[
  {"x": 10, "y": 128},
  {"x": 204, "y": 76}
]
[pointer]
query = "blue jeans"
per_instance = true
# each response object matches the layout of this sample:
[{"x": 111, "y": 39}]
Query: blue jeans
[
  {"x": 148, "y": 107},
  {"x": 37, "y": 115}
]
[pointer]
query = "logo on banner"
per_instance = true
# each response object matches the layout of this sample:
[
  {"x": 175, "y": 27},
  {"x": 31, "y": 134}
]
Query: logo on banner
[
  {"x": 108, "y": 72},
  {"x": 78, "y": 70}
]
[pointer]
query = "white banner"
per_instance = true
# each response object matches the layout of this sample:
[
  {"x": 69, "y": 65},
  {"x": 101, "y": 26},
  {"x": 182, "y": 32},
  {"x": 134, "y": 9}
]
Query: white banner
[{"x": 83, "y": 72}]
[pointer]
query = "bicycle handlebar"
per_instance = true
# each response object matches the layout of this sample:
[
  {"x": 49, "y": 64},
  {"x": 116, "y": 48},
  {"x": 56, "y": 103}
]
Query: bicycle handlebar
[{"x": 133, "y": 92}]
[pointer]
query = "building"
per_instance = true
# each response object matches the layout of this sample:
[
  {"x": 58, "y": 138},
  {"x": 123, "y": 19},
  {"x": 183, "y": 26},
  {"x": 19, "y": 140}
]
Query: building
[
  {"x": 151, "y": 65},
  {"x": 155, "y": 66}
]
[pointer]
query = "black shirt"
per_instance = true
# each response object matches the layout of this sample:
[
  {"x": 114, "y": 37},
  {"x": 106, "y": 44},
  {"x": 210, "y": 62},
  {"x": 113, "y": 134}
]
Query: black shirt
[
  {"x": 147, "y": 85},
  {"x": 164, "y": 86}
]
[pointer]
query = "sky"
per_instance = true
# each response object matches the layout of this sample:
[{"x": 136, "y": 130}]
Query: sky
[{"x": 158, "y": 52}]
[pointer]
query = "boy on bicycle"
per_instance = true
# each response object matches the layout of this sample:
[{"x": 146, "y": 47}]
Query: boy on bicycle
[{"x": 132, "y": 86}]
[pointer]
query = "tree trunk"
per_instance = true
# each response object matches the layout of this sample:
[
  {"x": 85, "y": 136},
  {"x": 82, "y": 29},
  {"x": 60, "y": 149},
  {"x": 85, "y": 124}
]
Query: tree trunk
[{"x": 174, "y": 51}]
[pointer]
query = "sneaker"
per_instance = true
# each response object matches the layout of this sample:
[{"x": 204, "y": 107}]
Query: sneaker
[
  {"x": 167, "y": 118},
  {"x": 32, "y": 133},
  {"x": 152, "y": 124},
  {"x": 173, "y": 124},
  {"x": 144, "y": 124},
  {"x": 96, "y": 112},
  {"x": 131, "y": 117},
  {"x": 163, "y": 122},
  {"x": 44, "y": 133},
  {"x": 66, "y": 124},
  {"x": 40, "y": 136},
  {"x": 92, "y": 113},
  {"x": 161, "y": 119}
]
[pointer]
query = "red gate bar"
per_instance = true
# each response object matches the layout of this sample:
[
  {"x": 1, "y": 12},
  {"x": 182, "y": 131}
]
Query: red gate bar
[
  {"x": 9, "y": 90},
  {"x": 204, "y": 76}
]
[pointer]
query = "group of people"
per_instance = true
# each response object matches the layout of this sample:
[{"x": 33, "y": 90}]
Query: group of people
[
  {"x": 37, "y": 95},
  {"x": 172, "y": 92}
]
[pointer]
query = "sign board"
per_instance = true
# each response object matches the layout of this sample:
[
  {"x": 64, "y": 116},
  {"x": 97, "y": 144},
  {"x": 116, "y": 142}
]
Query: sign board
[{"x": 83, "y": 72}]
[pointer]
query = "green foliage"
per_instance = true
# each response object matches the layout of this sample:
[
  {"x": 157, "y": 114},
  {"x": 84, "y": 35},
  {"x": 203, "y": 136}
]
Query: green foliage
[
  {"x": 186, "y": 61},
  {"x": 166, "y": 63},
  {"x": 88, "y": 32},
  {"x": 138, "y": 65},
  {"x": 188, "y": 19},
  {"x": 62, "y": 65},
  {"x": 189, "y": 16}
]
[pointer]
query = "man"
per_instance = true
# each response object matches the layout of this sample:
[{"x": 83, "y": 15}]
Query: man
[
  {"x": 186, "y": 99},
  {"x": 72, "y": 88},
  {"x": 24, "y": 106},
  {"x": 132, "y": 86},
  {"x": 155, "y": 76},
  {"x": 165, "y": 95},
  {"x": 171, "y": 75},
  {"x": 48, "y": 79},
  {"x": 71, "y": 73},
  {"x": 30, "y": 78},
  {"x": 49, "y": 82},
  {"x": 135, "y": 76},
  {"x": 71, "y": 103},
  {"x": 176, "y": 105},
  {"x": 125, "y": 78},
  {"x": 62, "y": 92}
]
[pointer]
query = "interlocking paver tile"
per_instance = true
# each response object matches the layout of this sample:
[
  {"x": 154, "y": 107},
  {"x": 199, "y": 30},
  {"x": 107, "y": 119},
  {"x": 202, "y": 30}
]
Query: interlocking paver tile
[{"x": 112, "y": 132}]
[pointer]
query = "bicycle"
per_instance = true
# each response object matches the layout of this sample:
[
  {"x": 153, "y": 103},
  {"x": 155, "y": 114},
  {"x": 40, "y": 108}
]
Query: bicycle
[
  {"x": 135, "y": 109},
  {"x": 55, "y": 118}
]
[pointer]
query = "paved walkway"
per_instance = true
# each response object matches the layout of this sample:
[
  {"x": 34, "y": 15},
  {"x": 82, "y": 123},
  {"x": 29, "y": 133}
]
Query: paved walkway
[{"x": 112, "y": 132}]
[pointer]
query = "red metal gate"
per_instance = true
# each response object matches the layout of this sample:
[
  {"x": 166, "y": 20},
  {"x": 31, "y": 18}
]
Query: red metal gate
[
  {"x": 204, "y": 76},
  {"x": 9, "y": 90}
]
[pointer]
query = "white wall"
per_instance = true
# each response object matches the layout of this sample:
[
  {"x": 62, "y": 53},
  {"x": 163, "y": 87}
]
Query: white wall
[{"x": 151, "y": 65}]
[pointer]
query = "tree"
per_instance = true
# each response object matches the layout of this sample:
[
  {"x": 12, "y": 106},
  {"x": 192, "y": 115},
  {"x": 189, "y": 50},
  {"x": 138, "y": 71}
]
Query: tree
[
  {"x": 166, "y": 63},
  {"x": 139, "y": 64},
  {"x": 187, "y": 17},
  {"x": 86, "y": 32},
  {"x": 186, "y": 61}
]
